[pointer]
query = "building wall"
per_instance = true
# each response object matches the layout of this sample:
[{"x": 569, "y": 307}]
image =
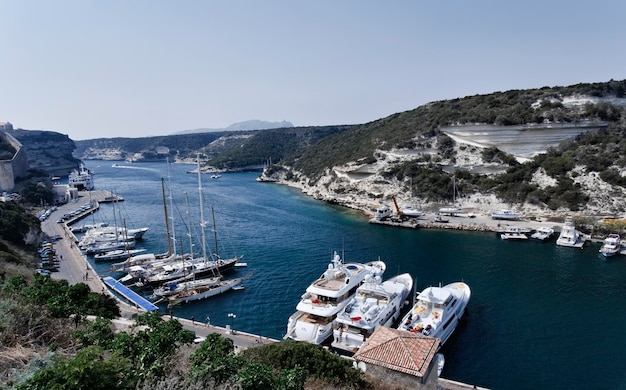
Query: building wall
[
  {"x": 398, "y": 380},
  {"x": 15, "y": 167}
]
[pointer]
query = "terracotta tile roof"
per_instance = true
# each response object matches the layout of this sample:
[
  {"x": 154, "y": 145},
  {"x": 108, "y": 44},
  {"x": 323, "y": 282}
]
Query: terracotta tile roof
[{"x": 399, "y": 350}]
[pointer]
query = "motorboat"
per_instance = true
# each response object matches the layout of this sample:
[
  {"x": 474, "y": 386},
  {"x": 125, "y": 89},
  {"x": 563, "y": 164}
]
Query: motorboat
[
  {"x": 327, "y": 296},
  {"x": 376, "y": 303},
  {"x": 542, "y": 233},
  {"x": 101, "y": 247},
  {"x": 451, "y": 210},
  {"x": 611, "y": 245},
  {"x": 437, "y": 311},
  {"x": 508, "y": 215},
  {"x": 382, "y": 212},
  {"x": 117, "y": 254},
  {"x": 411, "y": 211},
  {"x": 514, "y": 234},
  {"x": 570, "y": 237}
]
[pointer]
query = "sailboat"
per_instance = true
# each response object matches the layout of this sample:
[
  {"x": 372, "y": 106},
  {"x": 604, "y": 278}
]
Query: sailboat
[
  {"x": 452, "y": 209},
  {"x": 409, "y": 210},
  {"x": 214, "y": 285}
]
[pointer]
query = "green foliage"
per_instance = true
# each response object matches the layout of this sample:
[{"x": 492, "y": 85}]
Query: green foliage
[
  {"x": 15, "y": 223},
  {"x": 151, "y": 347},
  {"x": 97, "y": 333},
  {"x": 90, "y": 369},
  {"x": 312, "y": 359},
  {"x": 36, "y": 193},
  {"x": 215, "y": 359}
]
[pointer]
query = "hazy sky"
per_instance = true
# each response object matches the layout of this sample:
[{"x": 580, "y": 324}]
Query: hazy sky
[{"x": 133, "y": 68}]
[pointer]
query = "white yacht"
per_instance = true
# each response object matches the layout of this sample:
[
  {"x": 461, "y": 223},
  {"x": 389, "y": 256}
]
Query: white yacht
[
  {"x": 411, "y": 211},
  {"x": 437, "y": 311},
  {"x": 543, "y": 233},
  {"x": 327, "y": 296},
  {"x": 569, "y": 236},
  {"x": 375, "y": 304},
  {"x": 611, "y": 245},
  {"x": 508, "y": 215},
  {"x": 382, "y": 212}
]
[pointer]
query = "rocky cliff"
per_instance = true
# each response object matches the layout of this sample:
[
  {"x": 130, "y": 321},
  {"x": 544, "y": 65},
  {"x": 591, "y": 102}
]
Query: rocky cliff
[{"x": 48, "y": 151}]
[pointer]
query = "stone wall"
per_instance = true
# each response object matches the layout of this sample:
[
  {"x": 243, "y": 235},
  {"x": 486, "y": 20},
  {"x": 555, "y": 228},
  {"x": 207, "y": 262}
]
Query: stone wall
[{"x": 15, "y": 167}]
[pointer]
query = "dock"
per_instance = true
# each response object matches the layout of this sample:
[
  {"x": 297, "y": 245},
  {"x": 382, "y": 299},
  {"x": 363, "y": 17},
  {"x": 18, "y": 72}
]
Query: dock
[{"x": 129, "y": 294}]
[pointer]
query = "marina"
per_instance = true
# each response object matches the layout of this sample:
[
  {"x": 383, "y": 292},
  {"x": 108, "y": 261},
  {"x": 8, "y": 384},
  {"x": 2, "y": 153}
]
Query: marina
[{"x": 287, "y": 239}]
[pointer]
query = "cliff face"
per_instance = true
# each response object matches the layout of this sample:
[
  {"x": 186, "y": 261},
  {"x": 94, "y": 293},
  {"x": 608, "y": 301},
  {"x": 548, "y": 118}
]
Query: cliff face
[{"x": 48, "y": 150}]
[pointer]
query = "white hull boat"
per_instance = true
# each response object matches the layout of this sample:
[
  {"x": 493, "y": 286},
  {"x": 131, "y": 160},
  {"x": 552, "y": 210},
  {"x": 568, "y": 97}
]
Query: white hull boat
[
  {"x": 542, "y": 234},
  {"x": 203, "y": 292},
  {"x": 410, "y": 211},
  {"x": 382, "y": 212},
  {"x": 375, "y": 304},
  {"x": 327, "y": 296},
  {"x": 437, "y": 311},
  {"x": 611, "y": 245},
  {"x": 117, "y": 254},
  {"x": 505, "y": 215},
  {"x": 570, "y": 237}
]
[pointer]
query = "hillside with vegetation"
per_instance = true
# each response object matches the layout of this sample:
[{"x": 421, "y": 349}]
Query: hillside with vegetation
[{"x": 411, "y": 148}]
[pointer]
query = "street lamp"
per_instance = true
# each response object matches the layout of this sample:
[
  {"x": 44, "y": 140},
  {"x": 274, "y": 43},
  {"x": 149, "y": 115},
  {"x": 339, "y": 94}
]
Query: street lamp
[{"x": 232, "y": 317}]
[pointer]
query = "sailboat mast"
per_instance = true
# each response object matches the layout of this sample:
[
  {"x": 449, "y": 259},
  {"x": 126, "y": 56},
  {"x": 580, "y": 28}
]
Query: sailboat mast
[
  {"x": 167, "y": 224},
  {"x": 173, "y": 234},
  {"x": 217, "y": 253},
  {"x": 202, "y": 223}
]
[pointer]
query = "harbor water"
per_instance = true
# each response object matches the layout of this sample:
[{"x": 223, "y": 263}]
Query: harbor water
[{"x": 540, "y": 316}]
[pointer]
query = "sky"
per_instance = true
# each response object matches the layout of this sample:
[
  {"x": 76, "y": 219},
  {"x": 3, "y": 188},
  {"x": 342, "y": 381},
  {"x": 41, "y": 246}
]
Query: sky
[{"x": 138, "y": 68}]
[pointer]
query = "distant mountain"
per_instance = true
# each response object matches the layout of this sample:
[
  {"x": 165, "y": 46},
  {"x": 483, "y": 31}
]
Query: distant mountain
[{"x": 252, "y": 124}]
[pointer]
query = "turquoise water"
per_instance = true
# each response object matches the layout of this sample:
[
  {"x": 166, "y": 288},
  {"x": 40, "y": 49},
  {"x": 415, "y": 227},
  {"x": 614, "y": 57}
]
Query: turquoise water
[{"x": 540, "y": 316}]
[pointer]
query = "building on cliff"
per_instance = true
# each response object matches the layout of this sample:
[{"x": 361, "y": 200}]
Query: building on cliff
[{"x": 14, "y": 167}]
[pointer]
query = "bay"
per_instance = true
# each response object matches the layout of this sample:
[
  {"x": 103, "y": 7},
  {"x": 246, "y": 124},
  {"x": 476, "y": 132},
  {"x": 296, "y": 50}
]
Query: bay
[{"x": 540, "y": 316}]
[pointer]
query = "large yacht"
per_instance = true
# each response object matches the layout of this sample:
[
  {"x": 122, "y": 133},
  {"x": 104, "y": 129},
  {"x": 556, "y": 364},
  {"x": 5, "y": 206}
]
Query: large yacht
[
  {"x": 437, "y": 311},
  {"x": 569, "y": 236},
  {"x": 81, "y": 179},
  {"x": 327, "y": 296},
  {"x": 375, "y": 304}
]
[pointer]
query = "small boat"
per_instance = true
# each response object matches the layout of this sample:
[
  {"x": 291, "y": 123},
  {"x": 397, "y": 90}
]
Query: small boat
[
  {"x": 326, "y": 296},
  {"x": 570, "y": 237},
  {"x": 215, "y": 176},
  {"x": 375, "y": 304},
  {"x": 505, "y": 214},
  {"x": 513, "y": 236},
  {"x": 96, "y": 248},
  {"x": 437, "y": 311},
  {"x": 611, "y": 245},
  {"x": 382, "y": 212},
  {"x": 178, "y": 286},
  {"x": 410, "y": 211},
  {"x": 117, "y": 254},
  {"x": 542, "y": 234},
  {"x": 451, "y": 210}
]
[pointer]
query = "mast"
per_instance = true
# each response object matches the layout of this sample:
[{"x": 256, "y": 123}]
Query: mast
[
  {"x": 217, "y": 253},
  {"x": 167, "y": 224},
  {"x": 202, "y": 223},
  {"x": 173, "y": 236}
]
